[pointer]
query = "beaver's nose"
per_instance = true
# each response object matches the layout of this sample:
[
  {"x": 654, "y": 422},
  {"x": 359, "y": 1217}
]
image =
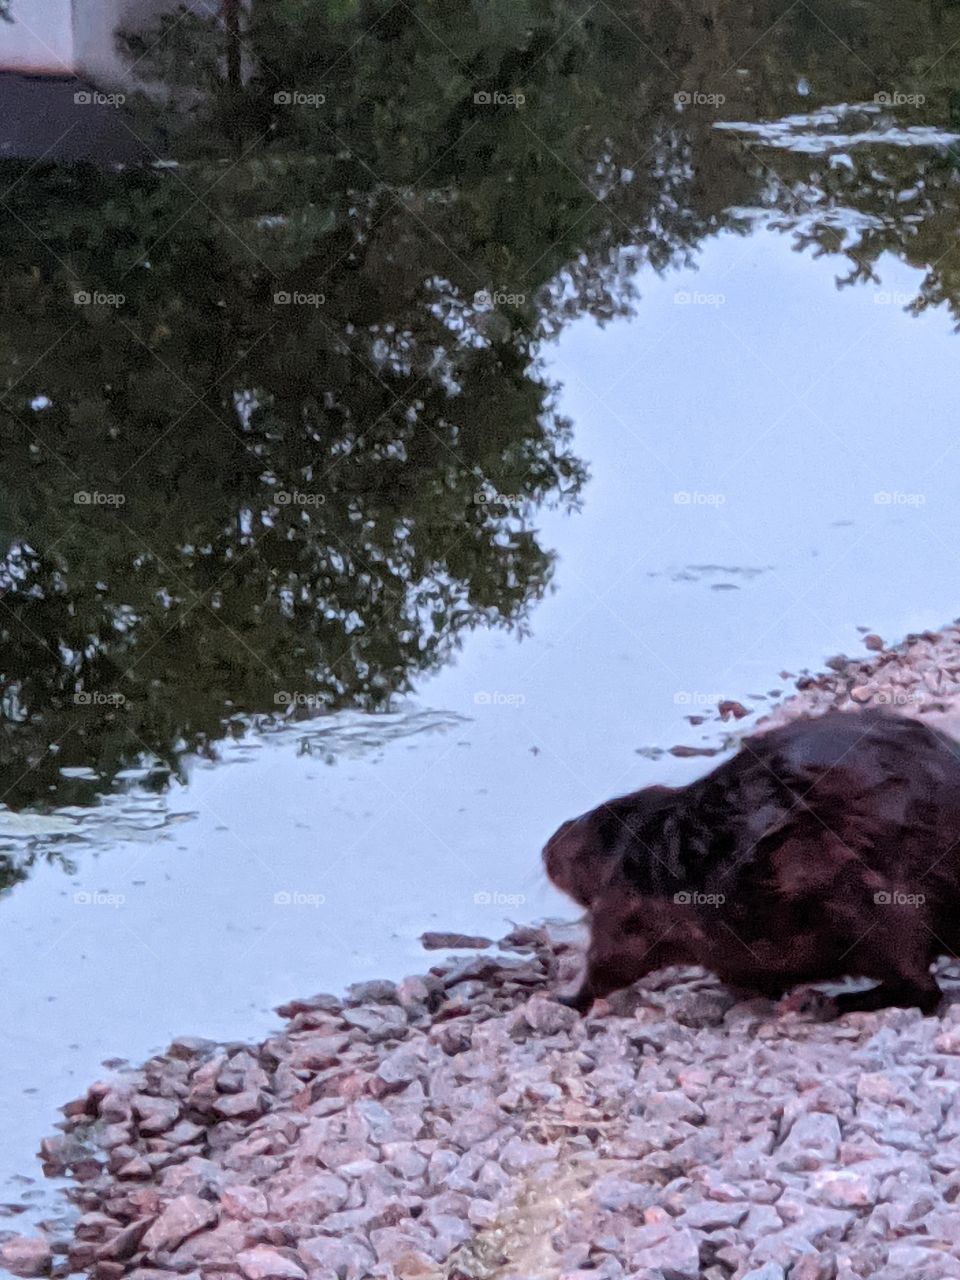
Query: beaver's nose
[{"x": 552, "y": 849}]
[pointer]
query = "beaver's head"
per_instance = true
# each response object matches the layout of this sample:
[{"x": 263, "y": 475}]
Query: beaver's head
[{"x": 585, "y": 854}]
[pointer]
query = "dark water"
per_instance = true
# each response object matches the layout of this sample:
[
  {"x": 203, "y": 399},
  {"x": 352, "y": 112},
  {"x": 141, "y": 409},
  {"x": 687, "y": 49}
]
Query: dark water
[{"x": 300, "y": 410}]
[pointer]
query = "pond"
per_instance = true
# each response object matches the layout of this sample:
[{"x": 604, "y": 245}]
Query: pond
[{"x": 400, "y": 454}]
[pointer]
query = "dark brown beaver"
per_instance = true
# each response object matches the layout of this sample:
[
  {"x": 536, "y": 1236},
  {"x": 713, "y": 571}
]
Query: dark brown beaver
[{"x": 827, "y": 847}]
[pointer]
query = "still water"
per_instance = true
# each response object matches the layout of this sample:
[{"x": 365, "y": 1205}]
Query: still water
[{"x": 319, "y": 616}]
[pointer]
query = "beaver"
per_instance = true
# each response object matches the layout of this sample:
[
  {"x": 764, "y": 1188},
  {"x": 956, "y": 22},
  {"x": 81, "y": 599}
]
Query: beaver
[{"x": 825, "y": 848}]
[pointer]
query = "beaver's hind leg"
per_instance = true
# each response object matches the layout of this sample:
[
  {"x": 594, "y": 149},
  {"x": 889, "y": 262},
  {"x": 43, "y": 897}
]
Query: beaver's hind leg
[{"x": 897, "y": 952}]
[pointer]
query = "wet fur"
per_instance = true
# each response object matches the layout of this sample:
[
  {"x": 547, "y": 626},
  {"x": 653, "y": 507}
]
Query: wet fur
[{"x": 772, "y": 869}]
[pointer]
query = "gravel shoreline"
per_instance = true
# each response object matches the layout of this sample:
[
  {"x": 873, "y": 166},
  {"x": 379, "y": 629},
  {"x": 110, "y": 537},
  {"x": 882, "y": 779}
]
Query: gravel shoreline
[{"x": 464, "y": 1125}]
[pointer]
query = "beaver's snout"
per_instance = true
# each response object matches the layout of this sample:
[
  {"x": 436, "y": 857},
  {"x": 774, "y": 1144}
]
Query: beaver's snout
[
  {"x": 556, "y": 852},
  {"x": 570, "y": 857}
]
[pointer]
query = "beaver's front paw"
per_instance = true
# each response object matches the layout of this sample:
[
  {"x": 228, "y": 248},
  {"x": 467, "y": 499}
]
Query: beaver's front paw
[{"x": 581, "y": 1000}]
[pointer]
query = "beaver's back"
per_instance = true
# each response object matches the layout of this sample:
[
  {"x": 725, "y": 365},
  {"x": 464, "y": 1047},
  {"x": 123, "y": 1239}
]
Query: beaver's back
[{"x": 881, "y": 787}]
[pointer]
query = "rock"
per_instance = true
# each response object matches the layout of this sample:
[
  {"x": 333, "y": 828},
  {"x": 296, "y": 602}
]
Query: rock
[
  {"x": 317, "y": 1050},
  {"x": 675, "y": 1253},
  {"x": 454, "y": 942},
  {"x": 239, "y": 1106},
  {"x": 124, "y": 1243},
  {"x": 26, "y": 1256},
  {"x": 311, "y": 1199},
  {"x": 406, "y": 1250},
  {"x": 762, "y": 1220},
  {"x": 402, "y": 1157},
  {"x": 783, "y": 1247},
  {"x": 478, "y": 1124},
  {"x": 413, "y": 993},
  {"x": 770, "y": 1271},
  {"x": 378, "y": 1022},
  {"x": 184, "y": 1131},
  {"x": 727, "y": 708},
  {"x": 263, "y": 1263},
  {"x": 244, "y": 1202},
  {"x": 181, "y": 1218},
  {"x": 908, "y": 1258},
  {"x": 618, "y": 1194},
  {"x": 704, "y": 1008},
  {"x": 672, "y": 1105},
  {"x": 948, "y": 1042},
  {"x": 547, "y": 1016},
  {"x": 154, "y": 1114},
  {"x": 62, "y": 1153},
  {"x": 845, "y": 1188},
  {"x": 519, "y": 1155},
  {"x": 818, "y": 1266},
  {"x": 187, "y": 1047},
  {"x": 450, "y": 1232},
  {"x": 820, "y": 1226},
  {"x": 346, "y": 1258},
  {"x": 374, "y": 991},
  {"x": 217, "y": 1247},
  {"x": 813, "y": 1140},
  {"x": 321, "y": 1003},
  {"x": 710, "y": 1215},
  {"x": 487, "y": 969},
  {"x": 873, "y": 641},
  {"x": 396, "y": 1071}
]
